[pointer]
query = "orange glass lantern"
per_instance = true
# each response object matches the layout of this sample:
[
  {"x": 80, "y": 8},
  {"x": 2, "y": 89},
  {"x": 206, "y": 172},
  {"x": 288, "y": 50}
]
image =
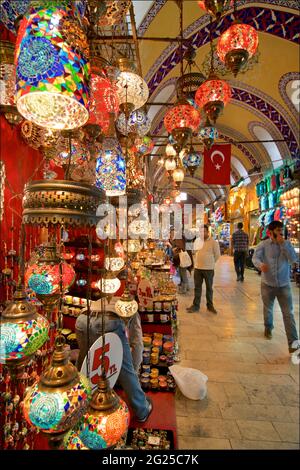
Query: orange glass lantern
[
  {"x": 236, "y": 45},
  {"x": 103, "y": 101},
  {"x": 213, "y": 95}
]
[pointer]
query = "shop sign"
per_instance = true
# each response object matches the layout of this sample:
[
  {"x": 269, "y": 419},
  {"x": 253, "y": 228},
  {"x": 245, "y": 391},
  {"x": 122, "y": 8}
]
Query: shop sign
[
  {"x": 113, "y": 357},
  {"x": 145, "y": 293}
]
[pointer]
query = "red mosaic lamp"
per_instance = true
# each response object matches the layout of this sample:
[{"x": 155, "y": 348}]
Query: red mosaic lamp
[
  {"x": 181, "y": 121},
  {"x": 236, "y": 45},
  {"x": 214, "y": 93}
]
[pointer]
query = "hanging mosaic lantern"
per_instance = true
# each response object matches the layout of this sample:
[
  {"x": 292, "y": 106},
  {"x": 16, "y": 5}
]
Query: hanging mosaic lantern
[
  {"x": 236, "y": 45},
  {"x": 115, "y": 11},
  {"x": 181, "y": 121},
  {"x": 103, "y": 101},
  {"x": 138, "y": 123},
  {"x": 37, "y": 137},
  {"x": 56, "y": 403},
  {"x": 22, "y": 331},
  {"x": 52, "y": 68},
  {"x": 143, "y": 146},
  {"x": 178, "y": 176},
  {"x": 132, "y": 90},
  {"x": 170, "y": 151},
  {"x": 109, "y": 284},
  {"x": 80, "y": 154},
  {"x": 208, "y": 134},
  {"x": 43, "y": 277},
  {"x": 114, "y": 263},
  {"x": 106, "y": 420},
  {"x": 126, "y": 306},
  {"x": 170, "y": 164},
  {"x": 212, "y": 96},
  {"x": 111, "y": 168},
  {"x": 192, "y": 161},
  {"x": 188, "y": 84},
  {"x": 215, "y": 7}
]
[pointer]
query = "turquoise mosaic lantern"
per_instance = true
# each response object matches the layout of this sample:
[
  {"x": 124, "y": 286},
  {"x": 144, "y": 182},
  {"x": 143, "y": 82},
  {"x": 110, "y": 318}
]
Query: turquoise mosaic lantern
[{"x": 111, "y": 168}]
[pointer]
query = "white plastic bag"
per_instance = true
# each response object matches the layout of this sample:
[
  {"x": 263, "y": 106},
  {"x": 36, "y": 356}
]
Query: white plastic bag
[
  {"x": 185, "y": 259},
  {"x": 191, "y": 382}
]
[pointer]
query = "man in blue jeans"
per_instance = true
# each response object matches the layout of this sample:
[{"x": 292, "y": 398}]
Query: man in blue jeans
[
  {"x": 128, "y": 379},
  {"x": 273, "y": 258}
]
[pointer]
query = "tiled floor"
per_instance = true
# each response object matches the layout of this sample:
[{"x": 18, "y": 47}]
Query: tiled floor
[{"x": 253, "y": 386}]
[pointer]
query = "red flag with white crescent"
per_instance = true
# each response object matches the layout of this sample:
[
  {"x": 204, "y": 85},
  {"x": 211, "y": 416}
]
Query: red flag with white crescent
[{"x": 217, "y": 163}]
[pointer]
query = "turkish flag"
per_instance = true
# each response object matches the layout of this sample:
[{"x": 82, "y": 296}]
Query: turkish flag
[{"x": 217, "y": 165}]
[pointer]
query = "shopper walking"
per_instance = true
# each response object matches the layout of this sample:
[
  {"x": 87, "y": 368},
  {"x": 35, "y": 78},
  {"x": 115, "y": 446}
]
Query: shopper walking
[
  {"x": 273, "y": 258},
  {"x": 240, "y": 244},
  {"x": 205, "y": 260}
]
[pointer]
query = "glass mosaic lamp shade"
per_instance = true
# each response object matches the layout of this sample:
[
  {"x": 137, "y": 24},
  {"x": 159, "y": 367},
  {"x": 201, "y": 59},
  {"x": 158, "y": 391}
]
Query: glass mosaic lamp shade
[
  {"x": 132, "y": 91},
  {"x": 106, "y": 420},
  {"x": 36, "y": 136},
  {"x": 178, "y": 175},
  {"x": 80, "y": 154},
  {"x": 111, "y": 168},
  {"x": 236, "y": 45},
  {"x": 192, "y": 161},
  {"x": 138, "y": 123},
  {"x": 170, "y": 151},
  {"x": 212, "y": 96},
  {"x": 59, "y": 399},
  {"x": 52, "y": 68},
  {"x": 109, "y": 284},
  {"x": 208, "y": 133},
  {"x": 114, "y": 263},
  {"x": 215, "y": 7},
  {"x": 126, "y": 306},
  {"x": 7, "y": 73},
  {"x": 143, "y": 146},
  {"x": 22, "y": 331},
  {"x": 43, "y": 277},
  {"x": 181, "y": 121},
  {"x": 103, "y": 101},
  {"x": 10, "y": 10},
  {"x": 170, "y": 164}
]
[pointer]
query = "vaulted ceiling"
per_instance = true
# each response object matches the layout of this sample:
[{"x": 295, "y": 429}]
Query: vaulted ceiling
[{"x": 265, "y": 103}]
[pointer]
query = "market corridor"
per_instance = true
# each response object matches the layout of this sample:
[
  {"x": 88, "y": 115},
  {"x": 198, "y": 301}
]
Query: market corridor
[{"x": 253, "y": 387}]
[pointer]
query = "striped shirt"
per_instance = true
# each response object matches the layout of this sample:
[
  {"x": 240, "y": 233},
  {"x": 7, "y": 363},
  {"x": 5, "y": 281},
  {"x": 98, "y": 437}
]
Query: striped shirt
[{"x": 240, "y": 241}]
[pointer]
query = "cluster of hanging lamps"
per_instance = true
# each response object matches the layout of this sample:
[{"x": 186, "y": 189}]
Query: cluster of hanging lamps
[
  {"x": 181, "y": 121},
  {"x": 214, "y": 7},
  {"x": 142, "y": 146},
  {"x": 236, "y": 45},
  {"x": 132, "y": 90},
  {"x": 22, "y": 331},
  {"x": 56, "y": 402},
  {"x": 52, "y": 66},
  {"x": 208, "y": 134},
  {"x": 192, "y": 160}
]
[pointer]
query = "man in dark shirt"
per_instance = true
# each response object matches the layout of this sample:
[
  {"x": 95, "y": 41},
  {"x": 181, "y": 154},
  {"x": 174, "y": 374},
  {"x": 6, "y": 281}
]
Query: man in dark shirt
[{"x": 240, "y": 243}]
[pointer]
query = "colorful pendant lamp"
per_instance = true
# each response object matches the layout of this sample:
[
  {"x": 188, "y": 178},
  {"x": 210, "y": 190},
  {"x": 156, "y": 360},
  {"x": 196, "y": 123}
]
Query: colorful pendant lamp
[{"x": 52, "y": 68}]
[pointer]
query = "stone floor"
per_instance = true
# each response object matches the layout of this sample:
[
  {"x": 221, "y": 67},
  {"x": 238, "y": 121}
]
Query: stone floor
[{"x": 253, "y": 386}]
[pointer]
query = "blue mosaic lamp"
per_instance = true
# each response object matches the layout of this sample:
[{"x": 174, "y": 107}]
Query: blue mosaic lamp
[
  {"x": 22, "y": 331},
  {"x": 58, "y": 401},
  {"x": 111, "y": 168},
  {"x": 208, "y": 133},
  {"x": 138, "y": 123},
  {"x": 192, "y": 161},
  {"x": 10, "y": 10},
  {"x": 52, "y": 67}
]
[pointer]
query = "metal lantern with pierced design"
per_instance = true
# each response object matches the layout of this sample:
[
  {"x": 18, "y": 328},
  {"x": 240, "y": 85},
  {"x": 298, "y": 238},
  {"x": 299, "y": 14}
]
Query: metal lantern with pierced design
[
  {"x": 208, "y": 133},
  {"x": 236, "y": 45},
  {"x": 192, "y": 160},
  {"x": 132, "y": 90}
]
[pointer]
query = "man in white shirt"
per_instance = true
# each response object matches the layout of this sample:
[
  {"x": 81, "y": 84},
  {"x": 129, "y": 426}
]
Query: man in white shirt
[{"x": 205, "y": 260}]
